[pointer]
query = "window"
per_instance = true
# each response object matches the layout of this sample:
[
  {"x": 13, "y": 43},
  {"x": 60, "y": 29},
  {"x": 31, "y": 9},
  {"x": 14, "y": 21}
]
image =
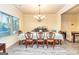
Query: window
[
  {"x": 4, "y": 25},
  {"x": 8, "y": 24},
  {"x": 15, "y": 24}
]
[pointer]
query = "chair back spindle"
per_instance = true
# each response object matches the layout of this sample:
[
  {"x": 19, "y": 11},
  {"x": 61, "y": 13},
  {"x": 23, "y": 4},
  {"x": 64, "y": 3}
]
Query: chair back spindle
[
  {"x": 40, "y": 35},
  {"x": 28, "y": 35}
]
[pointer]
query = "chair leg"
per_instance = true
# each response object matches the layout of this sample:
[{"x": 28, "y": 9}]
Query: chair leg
[
  {"x": 47, "y": 44},
  {"x": 26, "y": 44},
  {"x": 37, "y": 44},
  {"x": 60, "y": 42},
  {"x": 32, "y": 44},
  {"x": 53, "y": 44},
  {"x": 43, "y": 44}
]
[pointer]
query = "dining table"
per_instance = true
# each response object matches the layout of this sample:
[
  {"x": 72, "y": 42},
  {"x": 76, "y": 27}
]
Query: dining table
[{"x": 56, "y": 36}]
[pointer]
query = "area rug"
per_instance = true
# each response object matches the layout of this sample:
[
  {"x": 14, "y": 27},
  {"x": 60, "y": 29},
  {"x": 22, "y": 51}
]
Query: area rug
[{"x": 58, "y": 50}]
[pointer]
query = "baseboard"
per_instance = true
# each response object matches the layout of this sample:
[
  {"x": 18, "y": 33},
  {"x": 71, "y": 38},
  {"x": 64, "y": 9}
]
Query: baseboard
[
  {"x": 11, "y": 45},
  {"x": 3, "y": 53},
  {"x": 69, "y": 41}
]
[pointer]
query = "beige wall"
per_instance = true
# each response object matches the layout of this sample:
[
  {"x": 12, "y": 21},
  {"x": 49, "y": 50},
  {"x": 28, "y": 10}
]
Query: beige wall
[
  {"x": 67, "y": 21},
  {"x": 66, "y": 24},
  {"x": 77, "y": 22},
  {"x": 10, "y": 9},
  {"x": 51, "y": 21}
]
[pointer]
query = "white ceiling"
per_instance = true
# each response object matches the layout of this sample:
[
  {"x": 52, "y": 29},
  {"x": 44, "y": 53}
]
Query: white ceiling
[
  {"x": 45, "y": 9},
  {"x": 74, "y": 10}
]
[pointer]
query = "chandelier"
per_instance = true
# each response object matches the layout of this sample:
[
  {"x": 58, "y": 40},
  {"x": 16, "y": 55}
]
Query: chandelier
[{"x": 39, "y": 17}]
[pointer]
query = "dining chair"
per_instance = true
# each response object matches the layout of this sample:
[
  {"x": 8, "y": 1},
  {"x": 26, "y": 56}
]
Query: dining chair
[
  {"x": 50, "y": 39},
  {"x": 40, "y": 39},
  {"x": 29, "y": 39}
]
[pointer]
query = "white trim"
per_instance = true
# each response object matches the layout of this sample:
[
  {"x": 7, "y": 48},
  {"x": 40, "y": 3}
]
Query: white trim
[{"x": 66, "y": 8}]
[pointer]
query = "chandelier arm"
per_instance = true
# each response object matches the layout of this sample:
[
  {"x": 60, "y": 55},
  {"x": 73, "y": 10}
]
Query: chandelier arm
[{"x": 39, "y": 8}]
